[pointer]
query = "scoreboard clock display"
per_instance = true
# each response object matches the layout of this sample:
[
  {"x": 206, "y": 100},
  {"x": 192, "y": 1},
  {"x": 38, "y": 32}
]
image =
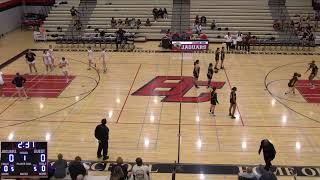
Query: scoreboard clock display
[{"x": 24, "y": 159}]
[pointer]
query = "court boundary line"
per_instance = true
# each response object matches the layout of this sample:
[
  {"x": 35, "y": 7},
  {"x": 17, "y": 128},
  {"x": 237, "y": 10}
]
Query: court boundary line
[{"x": 125, "y": 101}]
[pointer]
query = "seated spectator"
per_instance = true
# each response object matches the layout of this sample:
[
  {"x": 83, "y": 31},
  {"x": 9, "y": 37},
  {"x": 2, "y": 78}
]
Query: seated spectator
[
  {"x": 76, "y": 168},
  {"x": 198, "y": 29},
  {"x": 204, "y": 36},
  {"x": 73, "y": 13},
  {"x": 160, "y": 13},
  {"x": 78, "y": 25},
  {"x": 123, "y": 167},
  {"x": 133, "y": 23},
  {"x": 247, "y": 175},
  {"x": 102, "y": 33},
  {"x": 96, "y": 30},
  {"x": 113, "y": 22},
  {"x": 126, "y": 22},
  {"x": 119, "y": 22},
  {"x": 117, "y": 174},
  {"x": 213, "y": 25},
  {"x": 140, "y": 171},
  {"x": 276, "y": 25},
  {"x": 197, "y": 21},
  {"x": 155, "y": 14},
  {"x": 311, "y": 37},
  {"x": 60, "y": 166},
  {"x": 203, "y": 21},
  {"x": 138, "y": 23},
  {"x": 165, "y": 13},
  {"x": 175, "y": 36},
  {"x": 189, "y": 34},
  {"x": 148, "y": 23}
]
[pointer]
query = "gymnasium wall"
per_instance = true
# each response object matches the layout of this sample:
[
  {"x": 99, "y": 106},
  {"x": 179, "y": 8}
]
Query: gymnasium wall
[{"x": 11, "y": 12}]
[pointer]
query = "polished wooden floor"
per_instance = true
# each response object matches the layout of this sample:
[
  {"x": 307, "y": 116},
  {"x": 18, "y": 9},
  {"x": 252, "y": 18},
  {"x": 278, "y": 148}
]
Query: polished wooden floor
[{"x": 144, "y": 126}]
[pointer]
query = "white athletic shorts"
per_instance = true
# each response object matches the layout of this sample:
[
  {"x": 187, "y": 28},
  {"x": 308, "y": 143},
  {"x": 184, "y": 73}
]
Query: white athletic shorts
[{"x": 32, "y": 62}]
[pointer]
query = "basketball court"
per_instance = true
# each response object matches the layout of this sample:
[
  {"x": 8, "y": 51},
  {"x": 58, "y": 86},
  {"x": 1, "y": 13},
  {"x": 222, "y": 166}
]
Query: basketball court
[{"x": 145, "y": 118}]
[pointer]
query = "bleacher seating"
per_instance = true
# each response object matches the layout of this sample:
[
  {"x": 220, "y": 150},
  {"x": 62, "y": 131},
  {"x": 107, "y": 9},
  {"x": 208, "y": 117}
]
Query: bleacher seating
[
  {"x": 253, "y": 16},
  {"x": 103, "y": 11}
]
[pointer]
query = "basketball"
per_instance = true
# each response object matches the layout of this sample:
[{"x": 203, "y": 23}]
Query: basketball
[{"x": 61, "y": 65}]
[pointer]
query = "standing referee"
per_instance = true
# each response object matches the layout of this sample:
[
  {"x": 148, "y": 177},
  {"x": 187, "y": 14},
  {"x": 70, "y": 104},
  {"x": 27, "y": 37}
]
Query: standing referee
[{"x": 102, "y": 135}]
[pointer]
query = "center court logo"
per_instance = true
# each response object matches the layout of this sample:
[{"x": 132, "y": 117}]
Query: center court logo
[{"x": 175, "y": 88}]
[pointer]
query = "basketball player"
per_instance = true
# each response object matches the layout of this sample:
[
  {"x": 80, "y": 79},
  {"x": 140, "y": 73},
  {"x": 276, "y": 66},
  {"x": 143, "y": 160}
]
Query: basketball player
[
  {"x": 314, "y": 71},
  {"x": 63, "y": 64},
  {"x": 233, "y": 102},
  {"x": 19, "y": 82},
  {"x": 90, "y": 58},
  {"x": 217, "y": 54},
  {"x": 50, "y": 50},
  {"x": 47, "y": 60},
  {"x": 103, "y": 57},
  {"x": 31, "y": 61},
  {"x": 214, "y": 100},
  {"x": 1, "y": 84},
  {"x": 292, "y": 83},
  {"x": 210, "y": 74},
  {"x": 196, "y": 72},
  {"x": 222, "y": 56}
]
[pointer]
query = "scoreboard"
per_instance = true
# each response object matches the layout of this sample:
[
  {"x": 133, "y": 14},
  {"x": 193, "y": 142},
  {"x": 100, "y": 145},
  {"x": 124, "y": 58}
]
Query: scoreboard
[{"x": 24, "y": 160}]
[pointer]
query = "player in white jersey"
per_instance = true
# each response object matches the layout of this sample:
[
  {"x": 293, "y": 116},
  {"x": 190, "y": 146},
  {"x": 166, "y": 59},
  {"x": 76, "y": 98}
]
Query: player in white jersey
[
  {"x": 47, "y": 60},
  {"x": 50, "y": 50},
  {"x": 63, "y": 64},
  {"x": 104, "y": 57},
  {"x": 1, "y": 84},
  {"x": 90, "y": 58}
]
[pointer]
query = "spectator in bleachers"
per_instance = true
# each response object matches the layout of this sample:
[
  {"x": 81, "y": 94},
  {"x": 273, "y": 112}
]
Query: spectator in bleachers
[
  {"x": 140, "y": 171},
  {"x": 198, "y": 29},
  {"x": 113, "y": 22},
  {"x": 160, "y": 13},
  {"x": 122, "y": 166},
  {"x": 126, "y": 22},
  {"x": 76, "y": 168},
  {"x": 213, "y": 25},
  {"x": 138, "y": 23},
  {"x": 117, "y": 174},
  {"x": 246, "y": 42},
  {"x": 203, "y": 21},
  {"x": 74, "y": 13},
  {"x": 155, "y": 14},
  {"x": 203, "y": 36},
  {"x": 148, "y": 23},
  {"x": 247, "y": 175},
  {"x": 276, "y": 25},
  {"x": 78, "y": 25},
  {"x": 239, "y": 41},
  {"x": 120, "y": 37},
  {"x": 228, "y": 40},
  {"x": 189, "y": 34},
  {"x": 165, "y": 13},
  {"x": 60, "y": 166},
  {"x": 119, "y": 22},
  {"x": 197, "y": 20},
  {"x": 133, "y": 23}
]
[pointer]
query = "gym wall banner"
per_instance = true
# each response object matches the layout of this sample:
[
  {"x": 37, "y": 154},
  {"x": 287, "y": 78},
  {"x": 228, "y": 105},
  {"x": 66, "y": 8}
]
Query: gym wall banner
[{"x": 192, "y": 45}]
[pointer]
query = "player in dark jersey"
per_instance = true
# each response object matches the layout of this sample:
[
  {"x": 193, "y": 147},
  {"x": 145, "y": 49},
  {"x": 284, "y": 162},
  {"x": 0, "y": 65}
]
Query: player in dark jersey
[
  {"x": 213, "y": 100},
  {"x": 19, "y": 82},
  {"x": 233, "y": 102},
  {"x": 222, "y": 56},
  {"x": 217, "y": 54},
  {"x": 292, "y": 83},
  {"x": 314, "y": 71},
  {"x": 210, "y": 74},
  {"x": 196, "y": 72},
  {"x": 31, "y": 60}
]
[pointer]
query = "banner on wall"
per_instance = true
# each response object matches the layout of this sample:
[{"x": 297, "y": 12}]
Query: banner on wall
[{"x": 191, "y": 45}]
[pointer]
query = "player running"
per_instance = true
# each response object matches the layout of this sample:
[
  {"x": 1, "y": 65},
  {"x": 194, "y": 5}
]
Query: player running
[
  {"x": 292, "y": 83},
  {"x": 314, "y": 71},
  {"x": 63, "y": 64}
]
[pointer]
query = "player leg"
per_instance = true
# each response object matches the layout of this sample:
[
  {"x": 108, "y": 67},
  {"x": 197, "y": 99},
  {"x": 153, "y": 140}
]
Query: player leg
[
  {"x": 65, "y": 72},
  {"x": 221, "y": 66},
  {"x": 209, "y": 82},
  {"x": 196, "y": 82},
  {"x": 19, "y": 91},
  {"x": 33, "y": 65},
  {"x": 30, "y": 68},
  {"x": 311, "y": 77},
  {"x": 1, "y": 90},
  {"x": 216, "y": 65},
  {"x": 89, "y": 64},
  {"x": 104, "y": 64},
  {"x": 212, "y": 109},
  {"x": 24, "y": 92},
  {"x": 233, "y": 110},
  {"x": 230, "y": 108}
]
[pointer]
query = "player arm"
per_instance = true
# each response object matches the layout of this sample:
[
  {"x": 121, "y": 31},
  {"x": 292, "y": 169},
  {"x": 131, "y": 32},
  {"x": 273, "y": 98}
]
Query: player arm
[
  {"x": 260, "y": 147},
  {"x": 217, "y": 98}
]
